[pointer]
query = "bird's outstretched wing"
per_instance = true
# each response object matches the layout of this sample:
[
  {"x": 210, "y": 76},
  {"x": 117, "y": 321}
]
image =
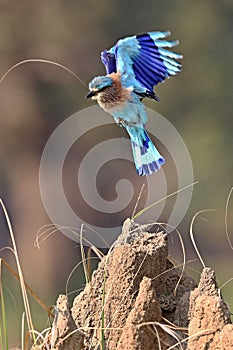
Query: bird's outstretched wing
[{"x": 143, "y": 61}]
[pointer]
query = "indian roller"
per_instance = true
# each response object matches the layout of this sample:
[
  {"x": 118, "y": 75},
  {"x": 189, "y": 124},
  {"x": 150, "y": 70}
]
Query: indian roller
[{"x": 134, "y": 65}]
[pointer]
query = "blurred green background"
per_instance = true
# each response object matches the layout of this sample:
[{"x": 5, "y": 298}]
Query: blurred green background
[{"x": 36, "y": 98}]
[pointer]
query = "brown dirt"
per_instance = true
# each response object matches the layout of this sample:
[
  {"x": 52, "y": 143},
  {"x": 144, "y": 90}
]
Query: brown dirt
[
  {"x": 142, "y": 294},
  {"x": 210, "y": 324},
  {"x": 64, "y": 334}
]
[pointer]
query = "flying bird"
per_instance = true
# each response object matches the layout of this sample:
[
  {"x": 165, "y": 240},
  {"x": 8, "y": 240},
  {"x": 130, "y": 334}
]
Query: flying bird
[{"x": 134, "y": 65}]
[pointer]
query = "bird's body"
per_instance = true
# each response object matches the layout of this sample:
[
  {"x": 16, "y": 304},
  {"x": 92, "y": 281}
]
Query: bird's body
[
  {"x": 121, "y": 102},
  {"x": 134, "y": 65}
]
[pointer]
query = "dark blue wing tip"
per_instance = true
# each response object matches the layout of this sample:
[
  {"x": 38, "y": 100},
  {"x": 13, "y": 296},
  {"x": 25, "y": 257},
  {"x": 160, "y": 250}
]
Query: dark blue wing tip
[
  {"x": 161, "y": 161},
  {"x": 109, "y": 61},
  {"x": 148, "y": 169},
  {"x": 154, "y": 62}
]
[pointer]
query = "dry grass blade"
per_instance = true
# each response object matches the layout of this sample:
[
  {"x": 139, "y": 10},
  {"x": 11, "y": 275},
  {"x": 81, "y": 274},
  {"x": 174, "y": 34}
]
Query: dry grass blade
[
  {"x": 41, "y": 60},
  {"x": 226, "y": 214},
  {"x": 192, "y": 336},
  {"x": 3, "y": 322},
  {"x": 192, "y": 235},
  {"x": 172, "y": 268},
  {"x": 21, "y": 278},
  {"x": 137, "y": 202},
  {"x": 40, "y": 337},
  {"x": 157, "y": 334},
  {"x": 97, "y": 252},
  {"x": 165, "y": 328},
  {"x": 99, "y": 255},
  {"x": 225, "y": 283},
  {"x": 169, "y": 330},
  {"x": 85, "y": 261},
  {"x": 72, "y": 272},
  {"x": 177, "y": 263},
  {"x": 44, "y": 233},
  {"x": 162, "y": 199},
  {"x": 23, "y": 345},
  {"x": 85, "y": 269},
  {"x": 47, "y": 230},
  {"x": 175, "y": 327},
  {"x": 33, "y": 294},
  {"x": 89, "y": 271}
]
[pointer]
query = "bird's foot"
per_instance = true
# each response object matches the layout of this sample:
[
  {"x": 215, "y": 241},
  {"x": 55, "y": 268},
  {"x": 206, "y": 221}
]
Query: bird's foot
[{"x": 121, "y": 122}]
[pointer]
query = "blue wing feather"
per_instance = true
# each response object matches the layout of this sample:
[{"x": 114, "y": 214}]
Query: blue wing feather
[
  {"x": 144, "y": 73},
  {"x": 109, "y": 60},
  {"x": 156, "y": 68},
  {"x": 158, "y": 64},
  {"x": 158, "y": 71},
  {"x": 143, "y": 61}
]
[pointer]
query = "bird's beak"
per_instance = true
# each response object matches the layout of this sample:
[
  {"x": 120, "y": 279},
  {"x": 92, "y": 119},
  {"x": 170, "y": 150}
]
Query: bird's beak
[{"x": 90, "y": 94}]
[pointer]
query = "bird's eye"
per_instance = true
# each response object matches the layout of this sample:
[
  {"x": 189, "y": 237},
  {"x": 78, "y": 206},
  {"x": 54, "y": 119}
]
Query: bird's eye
[{"x": 103, "y": 88}]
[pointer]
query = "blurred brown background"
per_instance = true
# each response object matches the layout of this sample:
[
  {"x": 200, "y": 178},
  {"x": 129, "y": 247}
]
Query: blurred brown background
[{"x": 36, "y": 98}]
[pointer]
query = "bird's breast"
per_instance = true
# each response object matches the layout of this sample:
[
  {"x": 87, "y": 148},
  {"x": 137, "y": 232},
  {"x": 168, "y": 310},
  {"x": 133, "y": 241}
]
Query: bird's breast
[
  {"x": 113, "y": 106},
  {"x": 114, "y": 100}
]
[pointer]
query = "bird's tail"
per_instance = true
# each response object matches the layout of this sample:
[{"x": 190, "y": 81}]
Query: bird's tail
[{"x": 147, "y": 159}]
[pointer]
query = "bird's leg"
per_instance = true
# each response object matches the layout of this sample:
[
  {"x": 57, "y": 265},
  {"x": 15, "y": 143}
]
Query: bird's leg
[{"x": 120, "y": 122}]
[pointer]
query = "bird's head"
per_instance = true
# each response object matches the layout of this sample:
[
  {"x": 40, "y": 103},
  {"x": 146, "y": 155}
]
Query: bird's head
[{"x": 98, "y": 85}]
